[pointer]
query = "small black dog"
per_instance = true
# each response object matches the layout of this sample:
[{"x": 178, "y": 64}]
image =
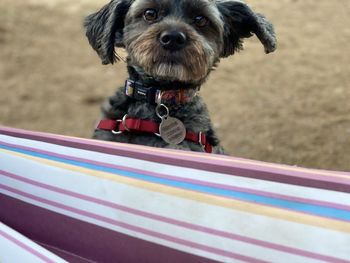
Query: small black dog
[{"x": 172, "y": 47}]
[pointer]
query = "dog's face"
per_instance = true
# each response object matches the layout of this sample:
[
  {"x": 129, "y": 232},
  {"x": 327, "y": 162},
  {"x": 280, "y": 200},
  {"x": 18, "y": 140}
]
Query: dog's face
[{"x": 176, "y": 40}]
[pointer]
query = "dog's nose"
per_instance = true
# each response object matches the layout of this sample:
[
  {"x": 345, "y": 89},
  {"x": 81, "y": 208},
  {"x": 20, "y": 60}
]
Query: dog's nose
[{"x": 173, "y": 40}]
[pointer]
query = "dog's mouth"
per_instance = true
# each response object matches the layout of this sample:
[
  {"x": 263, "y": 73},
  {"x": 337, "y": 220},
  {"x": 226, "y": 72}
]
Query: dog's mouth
[{"x": 170, "y": 57}]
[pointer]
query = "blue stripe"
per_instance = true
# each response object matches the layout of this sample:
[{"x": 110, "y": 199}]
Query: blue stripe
[{"x": 318, "y": 210}]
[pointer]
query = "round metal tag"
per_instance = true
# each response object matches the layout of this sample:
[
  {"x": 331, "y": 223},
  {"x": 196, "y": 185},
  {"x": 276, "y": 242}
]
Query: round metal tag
[{"x": 172, "y": 130}]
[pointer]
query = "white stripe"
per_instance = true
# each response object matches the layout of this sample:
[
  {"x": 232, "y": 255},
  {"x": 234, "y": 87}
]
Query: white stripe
[
  {"x": 187, "y": 173},
  {"x": 274, "y": 230}
]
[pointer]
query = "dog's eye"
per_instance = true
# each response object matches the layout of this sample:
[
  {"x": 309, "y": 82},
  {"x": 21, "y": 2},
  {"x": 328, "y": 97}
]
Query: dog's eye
[
  {"x": 201, "y": 21},
  {"x": 150, "y": 15}
]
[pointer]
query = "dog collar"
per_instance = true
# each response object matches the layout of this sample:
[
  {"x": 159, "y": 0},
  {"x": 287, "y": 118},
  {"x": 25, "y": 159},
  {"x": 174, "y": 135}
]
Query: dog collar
[
  {"x": 133, "y": 125},
  {"x": 153, "y": 95}
]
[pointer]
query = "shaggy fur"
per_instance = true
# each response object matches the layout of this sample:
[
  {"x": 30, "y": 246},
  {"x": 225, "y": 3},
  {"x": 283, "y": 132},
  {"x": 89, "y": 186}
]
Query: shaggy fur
[{"x": 122, "y": 23}]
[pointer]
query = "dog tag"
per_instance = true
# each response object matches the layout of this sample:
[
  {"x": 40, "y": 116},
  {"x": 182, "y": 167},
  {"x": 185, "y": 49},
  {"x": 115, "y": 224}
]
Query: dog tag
[{"x": 172, "y": 130}]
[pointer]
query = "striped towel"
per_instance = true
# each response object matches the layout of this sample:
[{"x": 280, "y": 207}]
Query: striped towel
[
  {"x": 92, "y": 201},
  {"x": 14, "y": 247}
]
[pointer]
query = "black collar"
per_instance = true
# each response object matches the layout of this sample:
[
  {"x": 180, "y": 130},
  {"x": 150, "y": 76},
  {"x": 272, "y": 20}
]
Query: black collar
[{"x": 158, "y": 95}]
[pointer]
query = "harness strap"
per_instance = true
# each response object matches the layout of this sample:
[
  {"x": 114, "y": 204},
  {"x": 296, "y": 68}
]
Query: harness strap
[{"x": 138, "y": 125}]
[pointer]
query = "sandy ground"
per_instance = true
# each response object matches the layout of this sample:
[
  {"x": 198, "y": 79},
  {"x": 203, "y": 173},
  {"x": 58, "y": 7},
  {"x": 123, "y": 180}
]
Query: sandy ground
[{"x": 290, "y": 107}]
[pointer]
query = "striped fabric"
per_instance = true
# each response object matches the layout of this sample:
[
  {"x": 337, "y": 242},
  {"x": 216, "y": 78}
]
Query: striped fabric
[
  {"x": 16, "y": 248},
  {"x": 97, "y": 201}
]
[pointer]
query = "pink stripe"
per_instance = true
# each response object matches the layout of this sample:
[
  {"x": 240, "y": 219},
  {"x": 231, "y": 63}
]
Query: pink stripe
[
  {"x": 175, "y": 222},
  {"x": 181, "y": 179},
  {"x": 202, "y": 162},
  {"x": 46, "y": 137},
  {"x": 183, "y": 242},
  {"x": 26, "y": 247}
]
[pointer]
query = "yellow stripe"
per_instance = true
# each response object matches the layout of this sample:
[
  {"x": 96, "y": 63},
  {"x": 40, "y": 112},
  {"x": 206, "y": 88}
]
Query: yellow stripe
[
  {"x": 224, "y": 159},
  {"x": 204, "y": 198}
]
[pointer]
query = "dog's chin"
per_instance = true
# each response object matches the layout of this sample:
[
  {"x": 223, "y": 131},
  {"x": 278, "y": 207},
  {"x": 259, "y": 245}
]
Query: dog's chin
[{"x": 170, "y": 71}]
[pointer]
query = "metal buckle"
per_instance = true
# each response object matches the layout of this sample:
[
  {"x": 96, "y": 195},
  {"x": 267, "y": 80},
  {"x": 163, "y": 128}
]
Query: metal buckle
[
  {"x": 162, "y": 117},
  {"x": 117, "y": 132},
  {"x": 123, "y": 121},
  {"x": 200, "y": 142},
  {"x": 159, "y": 114},
  {"x": 158, "y": 97}
]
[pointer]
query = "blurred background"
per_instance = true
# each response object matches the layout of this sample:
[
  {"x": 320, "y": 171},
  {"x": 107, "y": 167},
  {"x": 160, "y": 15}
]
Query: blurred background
[{"x": 292, "y": 106}]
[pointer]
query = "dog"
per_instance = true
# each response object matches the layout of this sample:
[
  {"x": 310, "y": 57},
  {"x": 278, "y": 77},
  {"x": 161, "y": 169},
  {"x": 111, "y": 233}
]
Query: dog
[{"x": 172, "y": 47}]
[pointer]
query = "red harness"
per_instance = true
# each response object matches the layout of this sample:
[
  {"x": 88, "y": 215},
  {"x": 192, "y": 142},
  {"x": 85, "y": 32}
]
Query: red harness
[{"x": 138, "y": 125}]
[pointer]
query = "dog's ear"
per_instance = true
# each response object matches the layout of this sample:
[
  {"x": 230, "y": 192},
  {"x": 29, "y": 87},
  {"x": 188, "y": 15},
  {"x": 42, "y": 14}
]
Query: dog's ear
[
  {"x": 241, "y": 22},
  {"x": 104, "y": 29}
]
